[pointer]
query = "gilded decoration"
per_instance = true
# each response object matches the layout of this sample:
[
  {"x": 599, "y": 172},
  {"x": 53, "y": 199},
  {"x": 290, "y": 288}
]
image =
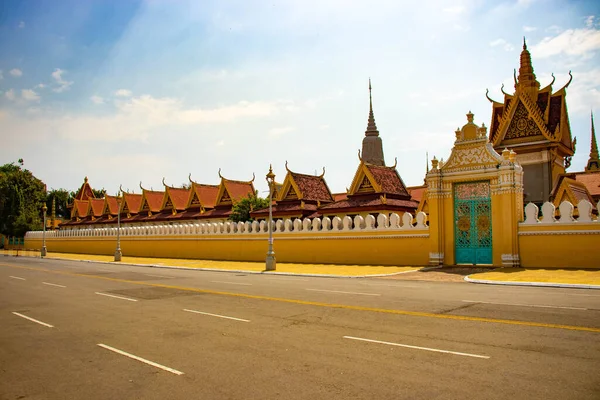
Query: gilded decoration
[
  {"x": 291, "y": 194},
  {"x": 365, "y": 186},
  {"x": 225, "y": 197},
  {"x": 521, "y": 125},
  {"x": 195, "y": 200},
  {"x": 471, "y": 157}
]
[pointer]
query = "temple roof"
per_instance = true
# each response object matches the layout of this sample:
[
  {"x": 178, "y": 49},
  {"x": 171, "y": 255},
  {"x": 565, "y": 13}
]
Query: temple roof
[
  {"x": 96, "y": 207},
  {"x": 304, "y": 187},
  {"x": 531, "y": 114},
  {"x": 80, "y": 208},
  {"x": 231, "y": 190},
  {"x": 152, "y": 200},
  {"x": 204, "y": 196},
  {"x": 111, "y": 207},
  {"x": 131, "y": 202},
  {"x": 175, "y": 198},
  {"x": 85, "y": 191},
  {"x": 572, "y": 190},
  {"x": 360, "y": 203},
  {"x": 416, "y": 192},
  {"x": 375, "y": 179}
]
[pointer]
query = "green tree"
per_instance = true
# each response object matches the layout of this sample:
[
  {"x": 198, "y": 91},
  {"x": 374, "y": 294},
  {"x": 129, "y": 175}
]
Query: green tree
[
  {"x": 99, "y": 193},
  {"x": 22, "y": 196},
  {"x": 61, "y": 198},
  {"x": 240, "y": 211}
]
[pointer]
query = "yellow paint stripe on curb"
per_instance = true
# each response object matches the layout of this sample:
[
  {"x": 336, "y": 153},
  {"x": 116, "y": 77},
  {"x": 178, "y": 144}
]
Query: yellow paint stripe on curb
[{"x": 328, "y": 305}]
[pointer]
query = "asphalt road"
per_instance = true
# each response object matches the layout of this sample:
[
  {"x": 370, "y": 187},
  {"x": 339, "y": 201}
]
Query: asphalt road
[{"x": 75, "y": 330}]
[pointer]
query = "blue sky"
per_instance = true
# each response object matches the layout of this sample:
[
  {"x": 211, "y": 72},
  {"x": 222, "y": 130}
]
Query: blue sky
[{"x": 130, "y": 91}]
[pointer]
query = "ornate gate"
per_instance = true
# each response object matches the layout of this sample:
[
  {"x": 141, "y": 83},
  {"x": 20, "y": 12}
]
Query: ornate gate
[{"x": 473, "y": 223}]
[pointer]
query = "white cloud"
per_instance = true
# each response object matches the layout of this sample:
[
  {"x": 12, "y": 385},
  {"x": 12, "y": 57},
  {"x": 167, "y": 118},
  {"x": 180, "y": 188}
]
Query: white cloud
[
  {"x": 123, "y": 93},
  {"x": 16, "y": 72},
  {"x": 41, "y": 86},
  {"x": 97, "y": 100},
  {"x": 138, "y": 118},
  {"x": 501, "y": 42},
  {"x": 275, "y": 132},
  {"x": 583, "y": 92},
  {"x": 62, "y": 83},
  {"x": 455, "y": 10},
  {"x": 589, "y": 21},
  {"x": 574, "y": 42},
  {"x": 22, "y": 24},
  {"x": 10, "y": 95},
  {"x": 529, "y": 28},
  {"x": 29, "y": 95}
]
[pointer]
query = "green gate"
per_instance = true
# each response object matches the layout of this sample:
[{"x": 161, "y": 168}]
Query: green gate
[{"x": 473, "y": 223}]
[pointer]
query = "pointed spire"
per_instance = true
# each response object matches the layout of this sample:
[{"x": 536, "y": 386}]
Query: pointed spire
[
  {"x": 371, "y": 127},
  {"x": 527, "y": 77},
  {"x": 594, "y": 161}
]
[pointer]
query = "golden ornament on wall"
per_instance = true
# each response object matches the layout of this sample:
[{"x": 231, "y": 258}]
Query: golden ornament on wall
[
  {"x": 464, "y": 223},
  {"x": 483, "y": 223}
]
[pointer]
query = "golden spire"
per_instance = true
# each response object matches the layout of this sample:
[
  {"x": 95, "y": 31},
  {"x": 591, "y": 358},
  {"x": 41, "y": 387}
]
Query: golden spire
[
  {"x": 594, "y": 161},
  {"x": 371, "y": 127},
  {"x": 527, "y": 77}
]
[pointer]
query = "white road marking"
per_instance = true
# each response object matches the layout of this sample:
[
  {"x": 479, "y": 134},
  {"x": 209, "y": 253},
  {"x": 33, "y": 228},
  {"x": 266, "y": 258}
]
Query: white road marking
[
  {"x": 33, "y": 320},
  {"x": 17, "y": 277},
  {"x": 339, "y": 291},
  {"x": 216, "y": 315},
  {"x": 171, "y": 370},
  {"x": 116, "y": 297},
  {"x": 417, "y": 347},
  {"x": 523, "y": 305},
  {"x": 233, "y": 283},
  {"x": 52, "y": 284}
]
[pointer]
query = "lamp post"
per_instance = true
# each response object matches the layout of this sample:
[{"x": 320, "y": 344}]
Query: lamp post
[
  {"x": 43, "y": 252},
  {"x": 271, "y": 262},
  {"x": 118, "y": 253}
]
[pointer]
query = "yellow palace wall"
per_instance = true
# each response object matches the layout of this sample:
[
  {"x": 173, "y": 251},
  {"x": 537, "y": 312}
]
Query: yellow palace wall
[{"x": 374, "y": 248}]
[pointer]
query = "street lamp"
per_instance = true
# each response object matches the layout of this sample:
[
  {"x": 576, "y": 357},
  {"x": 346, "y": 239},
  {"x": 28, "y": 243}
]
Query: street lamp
[
  {"x": 118, "y": 253},
  {"x": 270, "y": 262},
  {"x": 43, "y": 252}
]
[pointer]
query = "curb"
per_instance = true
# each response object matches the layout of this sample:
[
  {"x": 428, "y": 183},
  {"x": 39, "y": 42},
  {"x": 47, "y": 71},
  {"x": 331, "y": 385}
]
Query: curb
[
  {"x": 539, "y": 284},
  {"x": 234, "y": 270}
]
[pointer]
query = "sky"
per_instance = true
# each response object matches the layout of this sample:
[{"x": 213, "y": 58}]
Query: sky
[{"x": 125, "y": 92}]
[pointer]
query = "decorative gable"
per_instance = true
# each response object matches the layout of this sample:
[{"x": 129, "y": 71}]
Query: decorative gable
[
  {"x": 145, "y": 206},
  {"x": 365, "y": 186},
  {"x": 225, "y": 198},
  {"x": 195, "y": 201},
  {"x": 291, "y": 194},
  {"x": 522, "y": 125}
]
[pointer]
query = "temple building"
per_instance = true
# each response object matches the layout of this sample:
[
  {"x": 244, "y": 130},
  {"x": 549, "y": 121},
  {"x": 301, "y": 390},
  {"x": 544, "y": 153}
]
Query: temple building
[
  {"x": 210, "y": 203},
  {"x": 534, "y": 123},
  {"x": 375, "y": 188}
]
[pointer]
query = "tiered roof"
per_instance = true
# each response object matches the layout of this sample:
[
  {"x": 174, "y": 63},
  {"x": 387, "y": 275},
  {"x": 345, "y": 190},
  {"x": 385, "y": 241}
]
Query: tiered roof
[{"x": 532, "y": 114}]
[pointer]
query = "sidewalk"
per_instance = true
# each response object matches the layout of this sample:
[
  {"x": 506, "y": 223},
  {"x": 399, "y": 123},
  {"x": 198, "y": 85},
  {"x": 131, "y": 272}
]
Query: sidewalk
[
  {"x": 574, "y": 278},
  {"x": 247, "y": 267}
]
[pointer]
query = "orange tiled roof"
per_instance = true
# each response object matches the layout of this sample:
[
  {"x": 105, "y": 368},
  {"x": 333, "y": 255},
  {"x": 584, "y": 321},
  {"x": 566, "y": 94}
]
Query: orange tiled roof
[
  {"x": 388, "y": 179},
  {"x": 312, "y": 187},
  {"x": 113, "y": 206},
  {"x": 416, "y": 192},
  {"x": 96, "y": 207},
  {"x": 180, "y": 197},
  {"x": 238, "y": 190},
  {"x": 154, "y": 199},
  {"x": 133, "y": 202},
  {"x": 591, "y": 180},
  {"x": 207, "y": 194},
  {"x": 339, "y": 196},
  {"x": 85, "y": 191},
  {"x": 81, "y": 206}
]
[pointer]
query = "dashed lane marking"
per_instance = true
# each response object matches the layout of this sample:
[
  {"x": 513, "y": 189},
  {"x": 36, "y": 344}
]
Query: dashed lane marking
[
  {"x": 152, "y": 363},
  {"x": 33, "y": 320},
  {"x": 216, "y": 315},
  {"x": 116, "y": 297},
  {"x": 456, "y": 353}
]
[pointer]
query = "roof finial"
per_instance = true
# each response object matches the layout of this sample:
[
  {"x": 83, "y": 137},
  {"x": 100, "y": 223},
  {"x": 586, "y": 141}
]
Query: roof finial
[
  {"x": 371, "y": 127},
  {"x": 427, "y": 161},
  {"x": 594, "y": 161},
  {"x": 220, "y": 176},
  {"x": 524, "y": 44},
  {"x": 190, "y": 178},
  {"x": 286, "y": 166}
]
